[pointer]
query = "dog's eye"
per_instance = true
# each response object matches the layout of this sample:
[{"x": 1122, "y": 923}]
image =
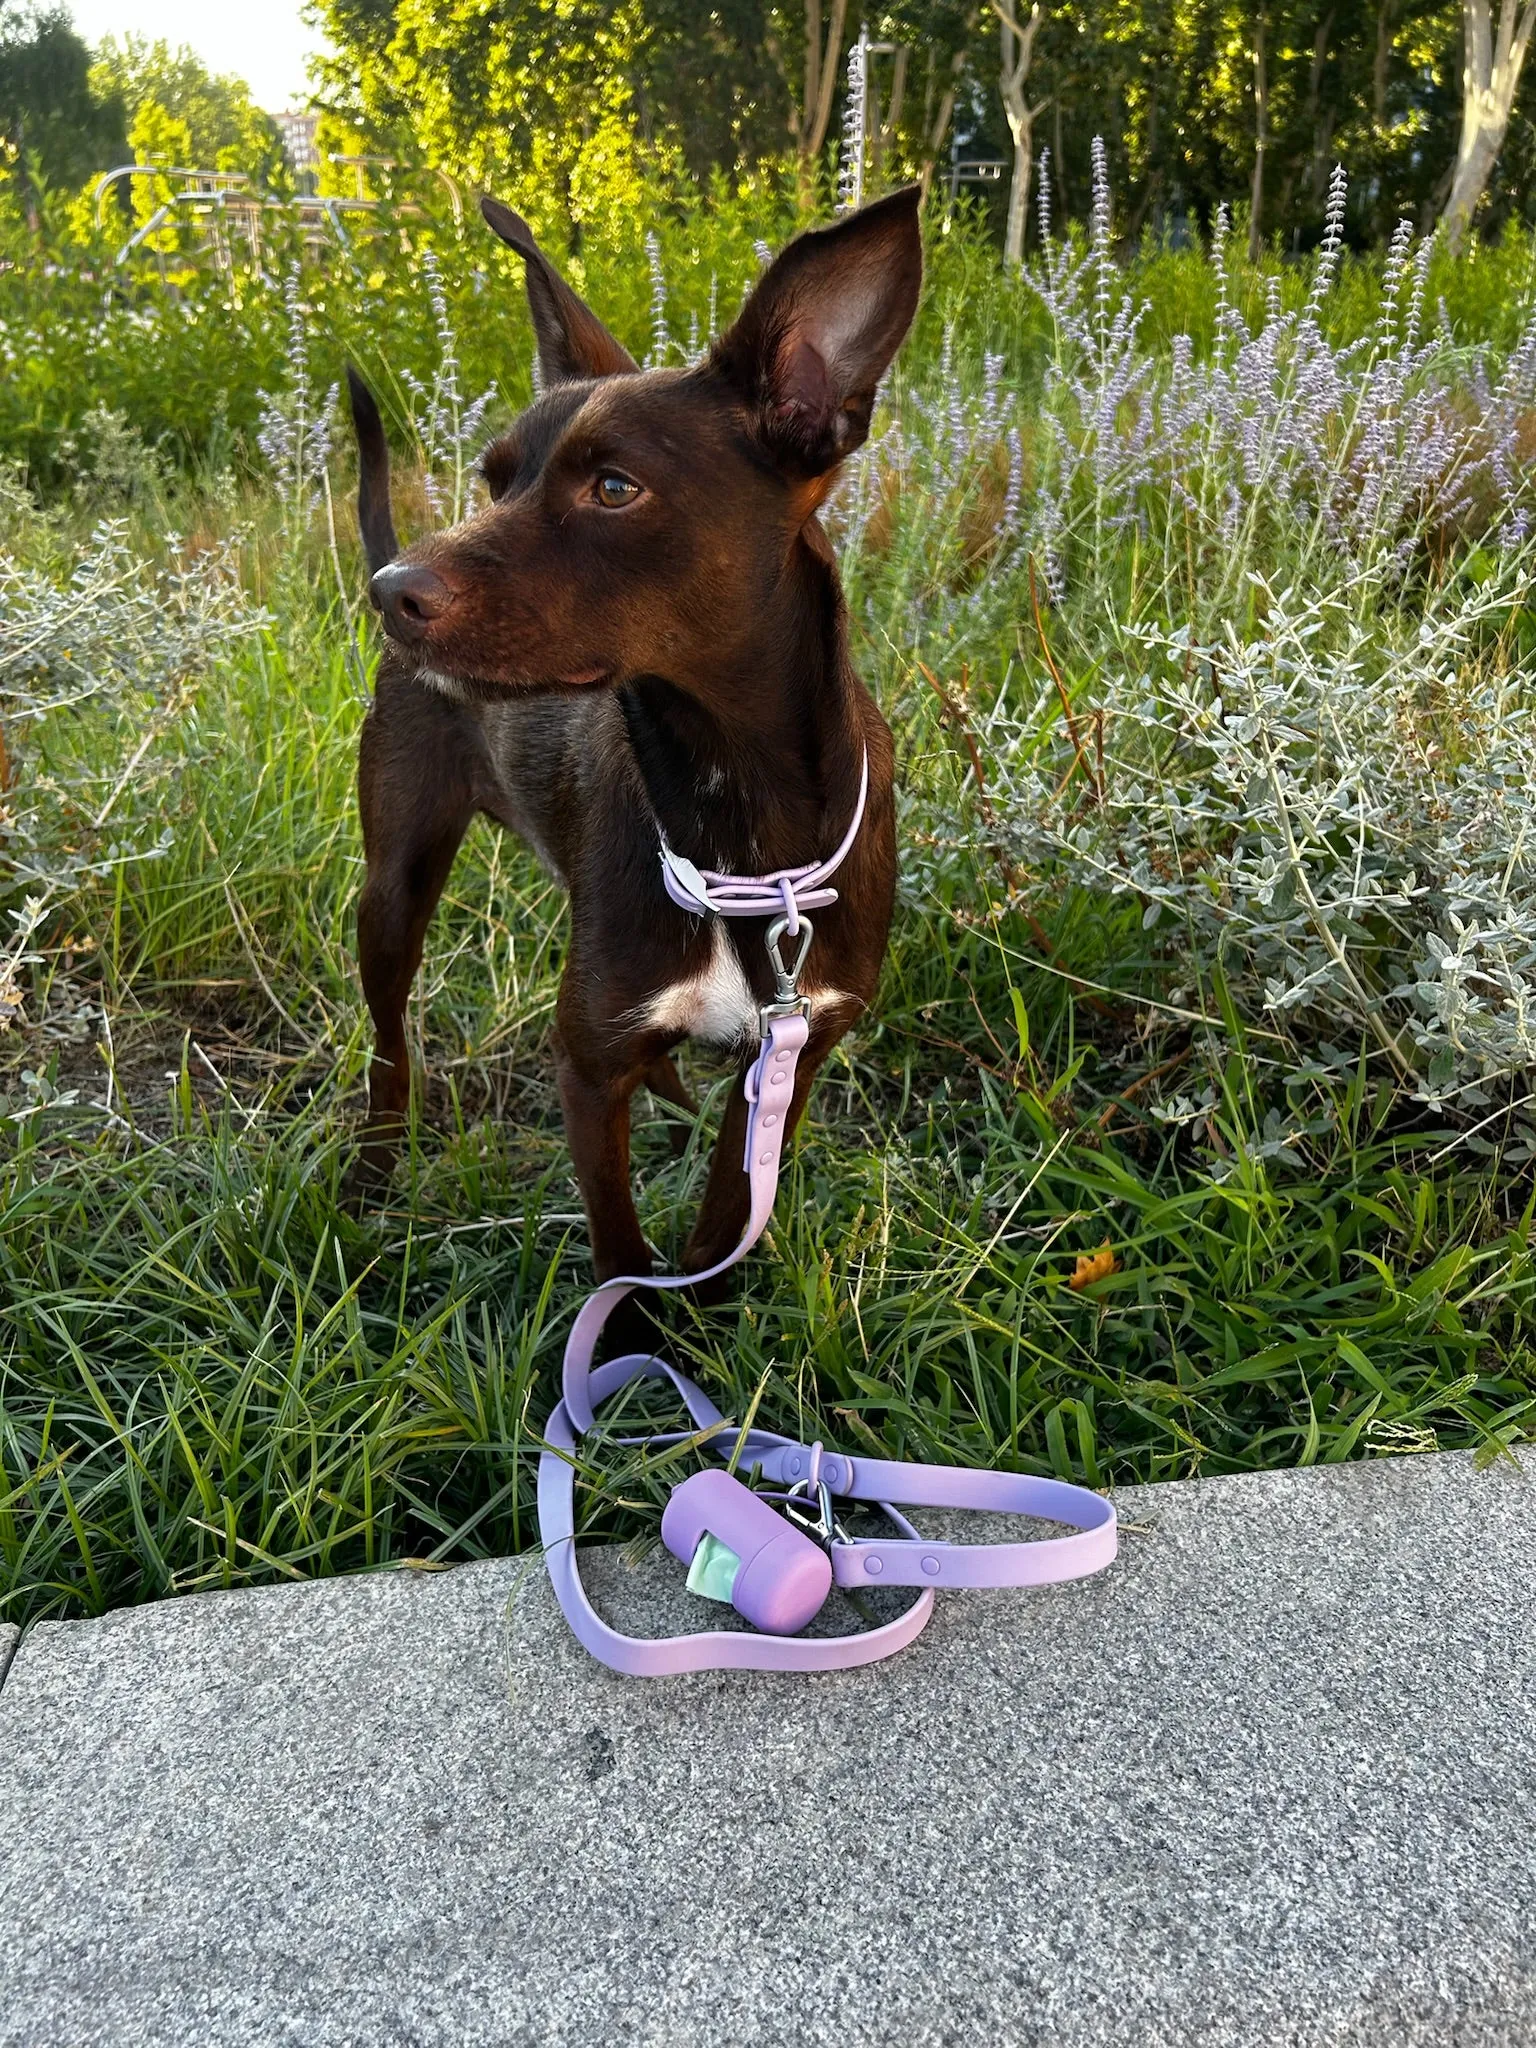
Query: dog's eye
[{"x": 614, "y": 491}]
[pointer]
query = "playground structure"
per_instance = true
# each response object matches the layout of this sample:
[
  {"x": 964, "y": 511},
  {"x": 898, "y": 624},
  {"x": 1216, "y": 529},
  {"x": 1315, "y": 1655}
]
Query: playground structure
[
  {"x": 971, "y": 170},
  {"x": 222, "y": 220}
]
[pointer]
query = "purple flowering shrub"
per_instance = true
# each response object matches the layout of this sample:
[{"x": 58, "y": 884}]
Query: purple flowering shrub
[
  {"x": 1284, "y": 581},
  {"x": 450, "y": 430},
  {"x": 1344, "y": 456},
  {"x": 295, "y": 431}
]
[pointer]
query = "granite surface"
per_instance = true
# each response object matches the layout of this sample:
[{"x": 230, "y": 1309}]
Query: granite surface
[{"x": 1269, "y": 1782}]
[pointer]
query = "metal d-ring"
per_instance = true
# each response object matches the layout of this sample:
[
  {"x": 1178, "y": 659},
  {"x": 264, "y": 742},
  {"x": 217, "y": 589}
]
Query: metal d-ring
[{"x": 787, "y": 979}]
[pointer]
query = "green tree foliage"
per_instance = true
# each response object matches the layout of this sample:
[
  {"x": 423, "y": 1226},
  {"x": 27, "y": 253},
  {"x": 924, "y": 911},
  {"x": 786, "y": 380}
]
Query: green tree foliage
[
  {"x": 560, "y": 101},
  {"x": 57, "y": 125},
  {"x": 177, "y": 109},
  {"x": 540, "y": 94},
  {"x": 557, "y": 99}
]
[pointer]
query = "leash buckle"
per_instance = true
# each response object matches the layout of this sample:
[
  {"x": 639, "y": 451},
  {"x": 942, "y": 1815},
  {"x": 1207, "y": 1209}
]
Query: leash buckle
[{"x": 769, "y": 1013}]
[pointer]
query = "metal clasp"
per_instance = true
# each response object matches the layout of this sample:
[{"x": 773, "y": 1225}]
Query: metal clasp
[
  {"x": 823, "y": 1526},
  {"x": 787, "y": 999}
]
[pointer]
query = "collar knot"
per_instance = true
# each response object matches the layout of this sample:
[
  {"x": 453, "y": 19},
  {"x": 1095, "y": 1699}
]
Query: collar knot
[{"x": 787, "y": 892}]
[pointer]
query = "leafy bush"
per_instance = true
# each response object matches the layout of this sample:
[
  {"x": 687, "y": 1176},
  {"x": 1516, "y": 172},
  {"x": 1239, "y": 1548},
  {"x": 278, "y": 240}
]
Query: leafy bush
[
  {"x": 1270, "y": 603},
  {"x": 100, "y": 651}
]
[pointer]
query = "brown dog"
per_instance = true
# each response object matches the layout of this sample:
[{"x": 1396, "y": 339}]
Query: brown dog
[{"x": 644, "y": 629}]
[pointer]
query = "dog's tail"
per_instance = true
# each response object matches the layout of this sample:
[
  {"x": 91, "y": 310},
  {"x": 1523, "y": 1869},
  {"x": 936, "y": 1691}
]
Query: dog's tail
[{"x": 374, "y": 518}]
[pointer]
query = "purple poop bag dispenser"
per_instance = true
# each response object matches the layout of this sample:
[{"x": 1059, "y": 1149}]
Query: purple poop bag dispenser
[{"x": 784, "y": 1577}]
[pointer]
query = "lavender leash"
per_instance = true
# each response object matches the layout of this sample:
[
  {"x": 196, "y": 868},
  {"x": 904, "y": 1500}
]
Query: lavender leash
[{"x": 812, "y": 1476}]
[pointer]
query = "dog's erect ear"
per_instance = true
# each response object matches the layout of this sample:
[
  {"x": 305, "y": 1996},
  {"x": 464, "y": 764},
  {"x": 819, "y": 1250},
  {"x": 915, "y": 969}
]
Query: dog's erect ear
[
  {"x": 574, "y": 345},
  {"x": 813, "y": 341}
]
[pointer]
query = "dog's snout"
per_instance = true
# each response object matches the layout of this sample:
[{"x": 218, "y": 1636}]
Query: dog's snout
[{"x": 410, "y": 597}]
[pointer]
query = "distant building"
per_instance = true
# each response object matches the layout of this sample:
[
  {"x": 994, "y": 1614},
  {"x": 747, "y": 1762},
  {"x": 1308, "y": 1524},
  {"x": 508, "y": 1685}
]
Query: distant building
[{"x": 299, "y": 140}]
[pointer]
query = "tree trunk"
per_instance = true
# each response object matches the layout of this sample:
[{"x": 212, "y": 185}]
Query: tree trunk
[
  {"x": 1018, "y": 190},
  {"x": 933, "y": 140},
  {"x": 1018, "y": 49},
  {"x": 1323, "y": 158},
  {"x": 812, "y": 57},
  {"x": 818, "y": 103},
  {"x": 1482, "y": 136},
  {"x": 1320, "y": 123},
  {"x": 1490, "y": 75},
  {"x": 810, "y": 110},
  {"x": 1384, "y": 13},
  {"x": 1260, "y": 140}
]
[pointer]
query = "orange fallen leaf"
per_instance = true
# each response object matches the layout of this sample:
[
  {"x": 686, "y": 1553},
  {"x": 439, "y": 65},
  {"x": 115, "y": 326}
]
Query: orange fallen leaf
[{"x": 1093, "y": 1266}]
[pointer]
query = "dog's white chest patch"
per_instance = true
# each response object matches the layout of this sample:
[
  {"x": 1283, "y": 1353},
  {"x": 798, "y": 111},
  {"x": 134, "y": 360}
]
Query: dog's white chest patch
[{"x": 717, "y": 1005}]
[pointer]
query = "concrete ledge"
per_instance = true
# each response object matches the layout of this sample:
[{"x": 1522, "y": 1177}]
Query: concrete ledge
[
  {"x": 9, "y": 1636},
  {"x": 1269, "y": 1783}
]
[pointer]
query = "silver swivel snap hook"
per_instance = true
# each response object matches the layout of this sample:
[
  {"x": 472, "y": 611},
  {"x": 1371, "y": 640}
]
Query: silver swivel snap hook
[
  {"x": 787, "y": 999},
  {"x": 823, "y": 1527}
]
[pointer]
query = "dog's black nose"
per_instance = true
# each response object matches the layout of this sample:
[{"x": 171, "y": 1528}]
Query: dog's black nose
[{"x": 410, "y": 598}]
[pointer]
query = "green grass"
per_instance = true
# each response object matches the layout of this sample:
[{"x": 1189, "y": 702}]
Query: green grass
[{"x": 212, "y": 1373}]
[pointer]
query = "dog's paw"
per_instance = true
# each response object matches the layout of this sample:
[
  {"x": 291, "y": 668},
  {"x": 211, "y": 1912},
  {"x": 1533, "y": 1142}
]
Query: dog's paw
[
  {"x": 366, "y": 1181},
  {"x": 634, "y": 1329}
]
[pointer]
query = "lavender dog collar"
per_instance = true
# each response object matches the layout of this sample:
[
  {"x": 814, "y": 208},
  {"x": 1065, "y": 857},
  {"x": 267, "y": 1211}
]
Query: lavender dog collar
[
  {"x": 790, "y": 890},
  {"x": 778, "y": 1587}
]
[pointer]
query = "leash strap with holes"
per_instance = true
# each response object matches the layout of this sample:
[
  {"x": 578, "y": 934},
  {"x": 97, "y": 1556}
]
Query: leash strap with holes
[{"x": 809, "y": 1473}]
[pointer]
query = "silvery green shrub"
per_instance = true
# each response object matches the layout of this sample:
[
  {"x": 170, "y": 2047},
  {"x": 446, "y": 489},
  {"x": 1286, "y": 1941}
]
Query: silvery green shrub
[
  {"x": 90, "y": 631},
  {"x": 1337, "y": 811},
  {"x": 109, "y": 463},
  {"x": 1286, "y": 582}
]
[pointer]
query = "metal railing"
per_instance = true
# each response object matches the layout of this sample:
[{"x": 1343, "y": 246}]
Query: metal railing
[{"x": 221, "y": 217}]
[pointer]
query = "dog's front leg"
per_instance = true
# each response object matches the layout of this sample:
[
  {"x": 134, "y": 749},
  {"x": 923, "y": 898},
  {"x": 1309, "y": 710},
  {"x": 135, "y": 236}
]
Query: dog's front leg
[{"x": 596, "y": 1108}]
